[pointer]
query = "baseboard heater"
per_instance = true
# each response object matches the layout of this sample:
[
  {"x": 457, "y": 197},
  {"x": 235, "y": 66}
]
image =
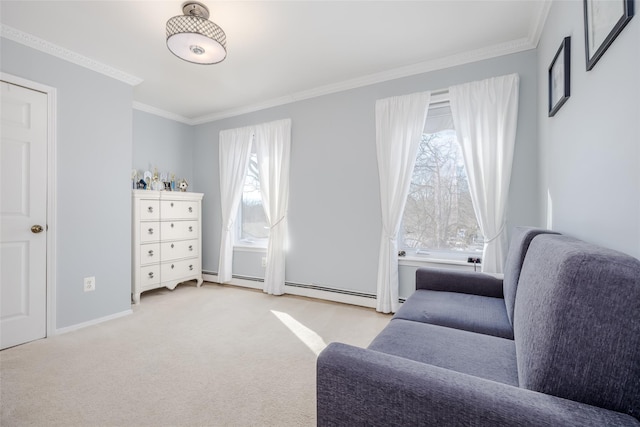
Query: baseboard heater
[
  {"x": 302, "y": 285},
  {"x": 327, "y": 289}
]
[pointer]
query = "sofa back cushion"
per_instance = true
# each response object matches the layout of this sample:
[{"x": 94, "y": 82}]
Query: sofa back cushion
[
  {"x": 577, "y": 323},
  {"x": 520, "y": 239}
]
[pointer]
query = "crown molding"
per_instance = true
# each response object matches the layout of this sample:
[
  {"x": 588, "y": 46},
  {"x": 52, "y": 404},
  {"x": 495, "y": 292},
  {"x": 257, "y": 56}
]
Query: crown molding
[
  {"x": 514, "y": 46},
  {"x": 489, "y": 52},
  {"x": 37, "y": 43},
  {"x": 536, "y": 30},
  {"x": 162, "y": 113}
]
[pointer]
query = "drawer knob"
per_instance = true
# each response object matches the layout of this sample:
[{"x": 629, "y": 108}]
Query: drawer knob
[
  {"x": 191, "y": 267},
  {"x": 171, "y": 204},
  {"x": 151, "y": 275},
  {"x": 150, "y": 252},
  {"x": 190, "y": 209},
  {"x": 172, "y": 246},
  {"x": 172, "y": 266},
  {"x": 171, "y": 225},
  {"x": 151, "y": 231},
  {"x": 150, "y": 209},
  {"x": 190, "y": 228},
  {"x": 190, "y": 247}
]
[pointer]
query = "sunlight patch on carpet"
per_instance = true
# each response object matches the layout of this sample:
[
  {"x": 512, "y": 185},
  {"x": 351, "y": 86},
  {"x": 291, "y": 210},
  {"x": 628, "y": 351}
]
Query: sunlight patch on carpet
[{"x": 304, "y": 334}]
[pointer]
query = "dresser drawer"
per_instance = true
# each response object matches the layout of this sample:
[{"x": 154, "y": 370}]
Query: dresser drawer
[
  {"x": 179, "y": 249},
  {"x": 149, "y": 231},
  {"x": 149, "y": 209},
  {"x": 172, "y": 230},
  {"x": 179, "y": 209},
  {"x": 178, "y": 269},
  {"x": 149, "y": 275},
  {"x": 149, "y": 253}
]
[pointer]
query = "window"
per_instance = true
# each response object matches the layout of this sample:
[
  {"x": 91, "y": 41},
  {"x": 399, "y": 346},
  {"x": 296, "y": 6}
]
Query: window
[
  {"x": 252, "y": 225},
  {"x": 438, "y": 219}
]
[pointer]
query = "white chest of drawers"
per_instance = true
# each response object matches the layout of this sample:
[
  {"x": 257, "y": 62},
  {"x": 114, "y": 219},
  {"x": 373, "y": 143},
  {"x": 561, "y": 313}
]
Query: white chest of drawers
[{"x": 167, "y": 240}]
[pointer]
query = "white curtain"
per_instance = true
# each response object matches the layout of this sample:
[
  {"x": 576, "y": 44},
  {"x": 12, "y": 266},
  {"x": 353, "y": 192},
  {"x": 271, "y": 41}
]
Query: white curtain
[
  {"x": 273, "y": 149},
  {"x": 235, "y": 145},
  {"x": 400, "y": 123},
  {"x": 485, "y": 114}
]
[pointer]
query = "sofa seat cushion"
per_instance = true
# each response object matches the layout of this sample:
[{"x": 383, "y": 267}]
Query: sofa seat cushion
[
  {"x": 473, "y": 313},
  {"x": 483, "y": 356}
]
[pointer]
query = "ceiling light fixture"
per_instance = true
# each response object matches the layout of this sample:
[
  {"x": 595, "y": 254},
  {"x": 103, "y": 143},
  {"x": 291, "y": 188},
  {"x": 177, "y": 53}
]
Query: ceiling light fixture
[{"x": 194, "y": 38}]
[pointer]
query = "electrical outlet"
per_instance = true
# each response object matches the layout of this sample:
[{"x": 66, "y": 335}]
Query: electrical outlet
[
  {"x": 89, "y": 284},
  {"x": 264, "y": 261}
]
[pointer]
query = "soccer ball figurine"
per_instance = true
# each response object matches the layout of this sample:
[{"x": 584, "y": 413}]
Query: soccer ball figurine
[{"x": 183, "y": 184}]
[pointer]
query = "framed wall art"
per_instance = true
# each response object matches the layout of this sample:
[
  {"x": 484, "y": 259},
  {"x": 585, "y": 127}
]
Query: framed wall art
[
  {"x": 603, "y": 21},
  {"x": 560, "y": 77}
]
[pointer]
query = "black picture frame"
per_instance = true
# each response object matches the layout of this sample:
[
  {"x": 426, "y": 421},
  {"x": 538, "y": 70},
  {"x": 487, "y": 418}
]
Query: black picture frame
[
  {"x": 603, "y": 21},
  {"x": 560, "y": 77}
]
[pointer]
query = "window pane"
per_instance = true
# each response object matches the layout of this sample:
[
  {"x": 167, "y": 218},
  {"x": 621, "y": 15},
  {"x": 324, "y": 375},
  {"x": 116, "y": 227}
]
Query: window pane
[
  {"x": 439, "y": 217},
  {"x": 253, "y": 228}
]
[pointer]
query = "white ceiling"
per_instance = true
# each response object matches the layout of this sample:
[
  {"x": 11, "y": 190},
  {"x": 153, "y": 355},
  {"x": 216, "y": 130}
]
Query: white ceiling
[{"x": 278, "y": 51}]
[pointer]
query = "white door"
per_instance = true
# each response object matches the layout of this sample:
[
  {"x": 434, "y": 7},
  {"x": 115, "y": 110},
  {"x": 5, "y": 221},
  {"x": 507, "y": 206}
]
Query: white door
[{"x": 23, "y": 211}]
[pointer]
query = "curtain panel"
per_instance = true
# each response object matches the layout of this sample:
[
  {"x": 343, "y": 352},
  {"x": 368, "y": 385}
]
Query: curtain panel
[
  {"x": 400, "y": 123},
  {"x": 485, "y": 114},
  {"x": 234, "y": 149},
  {"x": 273, "y": 148}
]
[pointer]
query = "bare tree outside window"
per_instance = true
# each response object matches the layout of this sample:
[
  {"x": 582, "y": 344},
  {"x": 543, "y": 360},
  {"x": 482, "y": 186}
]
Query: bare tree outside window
[
  {"x": 253, "y": 228},
  {"x": 439, "y": 215}
]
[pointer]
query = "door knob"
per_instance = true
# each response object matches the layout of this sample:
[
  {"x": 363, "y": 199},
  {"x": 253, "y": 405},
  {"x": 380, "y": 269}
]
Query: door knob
[{"x": 37, "y": 229}]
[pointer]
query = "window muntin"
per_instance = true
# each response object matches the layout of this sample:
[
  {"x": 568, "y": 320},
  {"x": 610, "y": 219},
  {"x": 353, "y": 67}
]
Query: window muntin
[{"x": 438, "y": 219}]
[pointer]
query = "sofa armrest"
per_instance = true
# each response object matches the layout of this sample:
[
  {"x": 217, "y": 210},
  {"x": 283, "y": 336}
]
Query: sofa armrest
[
  {"x": 356, "y": 386},
  {"x": 468, "y": 282}
]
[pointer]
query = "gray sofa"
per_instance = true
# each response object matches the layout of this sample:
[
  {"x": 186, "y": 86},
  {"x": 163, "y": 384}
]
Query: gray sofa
[
  {"x": 574, "y": 359},
  {"x": 471, "y": 301}
]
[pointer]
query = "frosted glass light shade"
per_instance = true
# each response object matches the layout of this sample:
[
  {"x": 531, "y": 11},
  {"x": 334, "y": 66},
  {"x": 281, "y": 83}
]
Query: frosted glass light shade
[{"x": 196, "y": 39}]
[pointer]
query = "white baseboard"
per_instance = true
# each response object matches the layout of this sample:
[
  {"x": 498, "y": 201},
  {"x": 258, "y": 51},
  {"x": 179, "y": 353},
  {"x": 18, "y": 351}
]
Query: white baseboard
[
  {"x": 92, "y": 322},
  {"x": 304, "y": 292}
]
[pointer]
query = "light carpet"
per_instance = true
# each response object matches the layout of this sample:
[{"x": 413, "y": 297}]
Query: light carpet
[{"x": 210, "y": 356}]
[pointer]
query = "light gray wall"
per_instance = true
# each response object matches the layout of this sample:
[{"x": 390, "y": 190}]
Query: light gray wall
[
  {"x": 93, "y": 195},
  {"x": 590, "y": 150},
  {"x": 334, "y": 208},
  {"x": 164, "y": 144}
]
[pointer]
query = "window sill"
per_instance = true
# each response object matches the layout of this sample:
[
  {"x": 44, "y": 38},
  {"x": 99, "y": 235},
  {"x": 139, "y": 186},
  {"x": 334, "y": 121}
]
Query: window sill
[
  {"x": 414, "y": 261},
  {"x": 247, "y": 248}
]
